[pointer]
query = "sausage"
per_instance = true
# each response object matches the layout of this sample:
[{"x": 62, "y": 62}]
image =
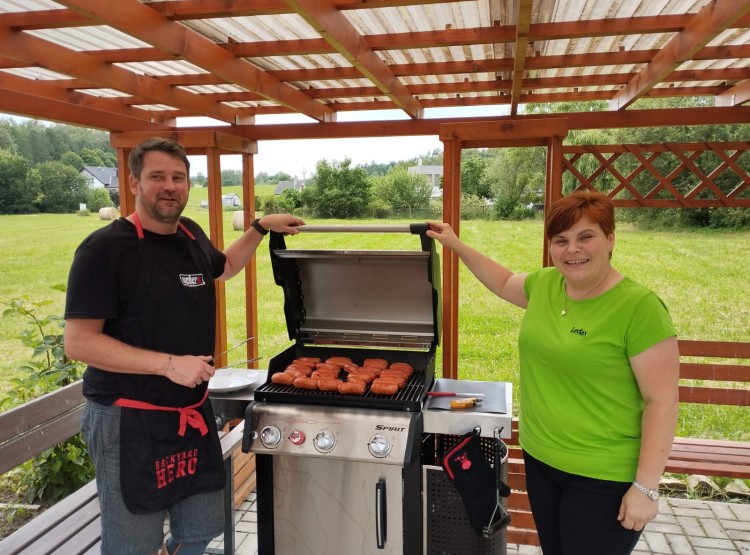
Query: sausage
[
  {"x": 373, "y": 370},
  {"x": 377, "y": 362},
  {"x": 339, "y": 360},
  {"x": 352, "y": 388},
  {"x": 402, "y": 366},
  {"x": 282, "y": 378},
  {"x": 350, "y": 367},
  {"x": 295, "y": 373},
  {"x": 329, "y": 384},
  {"x": 306, "y": 383},
  {"x": 361, "y": 376},
  {"x": 307, "y": 363},
  {"x": 400, "y": 382},
  {"x": 311, "y": 360},
  {"x": 328, "y": 366},
  {"x": 324, "y": 375},
  {"x": 384, "y": 388},
  {"x": 306, "y": 370},
  {"x": 394, "y": 375}
]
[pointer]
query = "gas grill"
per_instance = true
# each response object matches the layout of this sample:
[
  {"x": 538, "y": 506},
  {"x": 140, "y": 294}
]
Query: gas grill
[{"x": 340, "y": 473}]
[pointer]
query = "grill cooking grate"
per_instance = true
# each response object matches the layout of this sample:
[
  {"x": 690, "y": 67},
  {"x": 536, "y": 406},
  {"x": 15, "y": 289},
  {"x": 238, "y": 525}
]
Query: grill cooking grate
[{"x": 408, "y": 397}]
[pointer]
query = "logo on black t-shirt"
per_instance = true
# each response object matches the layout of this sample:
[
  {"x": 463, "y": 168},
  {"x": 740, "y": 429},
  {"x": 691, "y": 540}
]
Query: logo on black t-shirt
[{"x": 192, "y": 280}]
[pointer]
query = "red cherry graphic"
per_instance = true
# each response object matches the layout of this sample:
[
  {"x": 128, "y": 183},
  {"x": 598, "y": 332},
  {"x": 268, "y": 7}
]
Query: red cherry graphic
[{"x": 466, "y": 464}]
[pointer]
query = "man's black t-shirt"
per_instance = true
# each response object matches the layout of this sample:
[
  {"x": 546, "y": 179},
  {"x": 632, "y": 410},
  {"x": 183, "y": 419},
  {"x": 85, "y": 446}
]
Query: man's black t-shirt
[{"x": 155, "y": 293}]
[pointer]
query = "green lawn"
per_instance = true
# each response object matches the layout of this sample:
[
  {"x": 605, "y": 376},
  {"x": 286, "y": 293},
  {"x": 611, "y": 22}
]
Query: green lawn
[{"x": 701, "y": 275}]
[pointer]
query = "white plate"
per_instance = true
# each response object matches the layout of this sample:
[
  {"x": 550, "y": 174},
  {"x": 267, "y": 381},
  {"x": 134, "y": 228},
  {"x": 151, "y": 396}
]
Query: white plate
[{"x": 232, "y": 379}]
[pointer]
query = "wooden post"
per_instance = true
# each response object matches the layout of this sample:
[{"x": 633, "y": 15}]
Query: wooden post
[
  {"x": 251, "y": 272},
  {"x": 216, "y": 234}
]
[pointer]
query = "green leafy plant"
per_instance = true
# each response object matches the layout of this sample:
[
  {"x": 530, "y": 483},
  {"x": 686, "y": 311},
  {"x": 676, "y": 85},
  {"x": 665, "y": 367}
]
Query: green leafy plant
[{"x": 65, "y": 467}]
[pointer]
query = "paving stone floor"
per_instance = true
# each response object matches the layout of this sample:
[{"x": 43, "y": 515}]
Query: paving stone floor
[{"x": 683, "y": 527}]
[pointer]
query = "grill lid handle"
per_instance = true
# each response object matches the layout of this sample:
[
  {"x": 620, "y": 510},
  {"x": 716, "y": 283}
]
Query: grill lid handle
[{"x": 364, "y": 228}]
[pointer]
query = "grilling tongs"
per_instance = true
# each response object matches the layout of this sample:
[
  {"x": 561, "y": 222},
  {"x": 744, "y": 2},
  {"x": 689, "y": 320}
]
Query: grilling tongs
[{"x": 500, "y": 516}]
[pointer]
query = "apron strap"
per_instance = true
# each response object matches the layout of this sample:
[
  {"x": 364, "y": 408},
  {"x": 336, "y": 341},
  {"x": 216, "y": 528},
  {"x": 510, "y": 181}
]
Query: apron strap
[
  {"x": 188, "y": 415},
  {"x": 139, "y": 228}
]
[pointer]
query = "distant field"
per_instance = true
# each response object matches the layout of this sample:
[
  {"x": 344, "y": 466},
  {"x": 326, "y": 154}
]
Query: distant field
[{"x": 702, "y": 277}]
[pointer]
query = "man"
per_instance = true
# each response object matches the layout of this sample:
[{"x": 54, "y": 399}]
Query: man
[{"x": 140, "y": 312}]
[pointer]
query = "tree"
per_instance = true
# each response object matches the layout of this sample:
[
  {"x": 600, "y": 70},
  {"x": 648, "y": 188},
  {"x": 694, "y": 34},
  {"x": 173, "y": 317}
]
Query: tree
[
  {"x": 289, "y": 200},
  {"x": 92, "y": 157},
  {"x": 473, "y": 166},
  {"x": 72, "y": 159},
  {"x": 63, "y": 189},
  {"x": 401, "y": 190},
  {"x": 18, "y": 188},
  {"x": 231, "y": 177},
  {"x": 340, "y": 191},
  {"x": 199, "y": 180},
  {"x": 515, "y": 174}
]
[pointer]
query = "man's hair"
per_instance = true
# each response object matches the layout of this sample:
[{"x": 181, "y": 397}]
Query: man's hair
[
  {"x": 565, "y": 212},
  {"x": 168, "y": 146}
]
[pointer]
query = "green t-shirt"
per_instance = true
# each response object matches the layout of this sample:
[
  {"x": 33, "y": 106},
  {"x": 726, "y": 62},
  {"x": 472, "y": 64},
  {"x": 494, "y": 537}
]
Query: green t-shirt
[{"x": 580, "y": 403}]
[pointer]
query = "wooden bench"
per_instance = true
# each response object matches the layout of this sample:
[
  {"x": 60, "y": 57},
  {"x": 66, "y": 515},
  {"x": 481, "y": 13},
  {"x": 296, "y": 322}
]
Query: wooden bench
[
  {"x": 708, "y": 383},
  {"x": 72, "y": 525}
]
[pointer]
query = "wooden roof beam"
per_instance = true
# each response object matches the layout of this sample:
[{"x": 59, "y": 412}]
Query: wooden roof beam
[
  {"x": 443, "y": 68},
  {"x": 35, "y": 51},
  {"x": 147, "y": 24},
  {"x": 523, "y": 14},
  {"x": 736, "y": 96},
  {"x": 325, "y": 18},
  {"x": 711, "y": 20},
  {"x": 50, "y": 109},
  {"x": 125, "y": 116}
]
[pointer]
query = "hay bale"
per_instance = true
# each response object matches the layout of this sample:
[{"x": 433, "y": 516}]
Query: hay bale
[
  {"x": 108, "y": 213},
  {"x": 238, "y": 221}
]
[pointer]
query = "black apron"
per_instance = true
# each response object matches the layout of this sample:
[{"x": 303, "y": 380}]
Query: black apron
[{"x": 169, "y": 443}]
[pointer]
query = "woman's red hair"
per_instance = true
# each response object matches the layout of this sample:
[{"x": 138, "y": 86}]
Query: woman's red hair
[{"x": 565, "y": 212}]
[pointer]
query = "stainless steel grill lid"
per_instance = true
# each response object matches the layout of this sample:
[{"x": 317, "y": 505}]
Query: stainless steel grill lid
[{"x": 365, "y": 298}]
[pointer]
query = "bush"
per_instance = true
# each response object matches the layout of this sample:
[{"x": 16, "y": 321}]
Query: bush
[
  {"x": 97, "y": 199},
  {"x": 67, "y": 466}
]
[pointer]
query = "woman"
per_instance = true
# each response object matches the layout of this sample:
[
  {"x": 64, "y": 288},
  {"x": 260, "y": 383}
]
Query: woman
[{"x": 599, "y": 367}]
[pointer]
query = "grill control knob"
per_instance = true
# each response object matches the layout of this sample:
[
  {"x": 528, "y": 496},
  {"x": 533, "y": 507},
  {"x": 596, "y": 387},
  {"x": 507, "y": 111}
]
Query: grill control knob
[
  {"x": 270, "y": 437},
  {"x": 379, "y": 446},
  {"x": 324, "y": 441},
  {"x": 297, "y": 437}
]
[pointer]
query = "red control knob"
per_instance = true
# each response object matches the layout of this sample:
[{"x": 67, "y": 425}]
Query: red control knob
[{"x": 297, "y": 437}]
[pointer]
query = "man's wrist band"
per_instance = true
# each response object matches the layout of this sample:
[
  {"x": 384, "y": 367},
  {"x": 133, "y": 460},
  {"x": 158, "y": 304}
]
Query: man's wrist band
[{"x": 259, "y": 228}]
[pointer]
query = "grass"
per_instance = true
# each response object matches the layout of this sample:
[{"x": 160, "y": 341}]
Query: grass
[{"x": 699, "y": 274}]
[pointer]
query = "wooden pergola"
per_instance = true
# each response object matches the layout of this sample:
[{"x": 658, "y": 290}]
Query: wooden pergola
[{"x": 137, "y": 68}]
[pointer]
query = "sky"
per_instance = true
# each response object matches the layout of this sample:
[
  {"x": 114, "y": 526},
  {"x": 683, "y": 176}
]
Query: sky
[{"x": 299, "y": 157}]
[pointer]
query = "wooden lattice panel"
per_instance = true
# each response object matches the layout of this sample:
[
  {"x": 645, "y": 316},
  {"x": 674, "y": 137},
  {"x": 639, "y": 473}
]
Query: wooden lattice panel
[{"x": 669, "y": 175}]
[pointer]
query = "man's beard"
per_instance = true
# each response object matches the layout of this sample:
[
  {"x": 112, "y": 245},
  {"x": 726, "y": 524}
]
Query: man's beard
[{"x": 162, "y": 214}]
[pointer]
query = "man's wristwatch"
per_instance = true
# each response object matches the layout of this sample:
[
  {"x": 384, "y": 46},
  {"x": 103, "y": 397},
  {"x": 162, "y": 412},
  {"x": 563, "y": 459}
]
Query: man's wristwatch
[
  {"x": 652, "y": 494},
  {"x": 259, "y": 228}
]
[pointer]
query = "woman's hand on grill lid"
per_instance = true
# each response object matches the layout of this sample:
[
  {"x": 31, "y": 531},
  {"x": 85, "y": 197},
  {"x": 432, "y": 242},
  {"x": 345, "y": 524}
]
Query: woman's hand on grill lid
[{"x": 444, "y": 234}]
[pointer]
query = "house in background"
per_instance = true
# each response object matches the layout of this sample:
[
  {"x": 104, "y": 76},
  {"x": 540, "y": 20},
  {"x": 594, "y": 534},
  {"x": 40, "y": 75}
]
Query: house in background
[
  {"x": 284, "y": 185},
  {"x": 232, "y": 199},
  {"x": 98, "y": 177},
  {"x": 433, "y": 173}
]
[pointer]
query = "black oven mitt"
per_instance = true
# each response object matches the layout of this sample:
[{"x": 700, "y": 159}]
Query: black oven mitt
[{"x": 476, "y": 482}]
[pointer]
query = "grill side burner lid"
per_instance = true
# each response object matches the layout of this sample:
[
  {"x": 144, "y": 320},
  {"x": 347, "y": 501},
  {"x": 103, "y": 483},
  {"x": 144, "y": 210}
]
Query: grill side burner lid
[{"x": 372, "y": 298}]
